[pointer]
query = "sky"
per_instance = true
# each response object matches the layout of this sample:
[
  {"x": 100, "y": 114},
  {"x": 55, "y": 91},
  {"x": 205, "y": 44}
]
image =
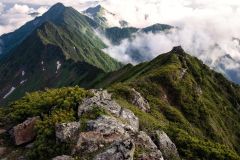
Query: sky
[{"x": 207, "y": 28}]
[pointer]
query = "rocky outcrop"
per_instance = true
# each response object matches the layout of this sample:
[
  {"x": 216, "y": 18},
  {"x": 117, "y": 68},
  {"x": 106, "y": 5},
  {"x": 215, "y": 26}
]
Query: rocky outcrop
[
  {"x": 107, "y": 125},
  {"x": 105, "y": 131},
  {"x": 144, "y": 143},
  {"x": 167, "y": 147},
  {"x": 24, "y": 132},
  {"x": 103, "y": 100},
  {"x": 138, "y": 100},
  {"x": 182, "y": 73},
  {"x": 67, "y": 132},
  {"x": 92, "y": 141},
  {"x": 123, "y": 150},
  {"x": 63, "y": 157}
]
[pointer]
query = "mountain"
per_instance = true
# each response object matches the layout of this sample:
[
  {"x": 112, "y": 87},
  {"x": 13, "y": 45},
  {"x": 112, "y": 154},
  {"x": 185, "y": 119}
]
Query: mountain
[
  {"x": 197, "y": 106},
  {"x": 63, "y": 50},
  {"x": 11, "y": 40},
  {"x": 173, "y": 107},
  {"x": 104, "y": 17},
  {"x": 117, "y": 34},
  {"x": 228, "y": 66}
]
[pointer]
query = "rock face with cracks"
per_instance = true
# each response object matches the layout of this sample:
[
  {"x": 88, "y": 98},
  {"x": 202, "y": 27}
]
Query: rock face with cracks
[
  {"x": 138, "y": 100},
  {"x": 24, "y": 132}
]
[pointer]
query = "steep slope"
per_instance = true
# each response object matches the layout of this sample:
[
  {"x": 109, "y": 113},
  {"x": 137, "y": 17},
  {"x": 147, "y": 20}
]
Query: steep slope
[
  {"x": 174, "y": 93},
  {"x": 61, "y": 52},
  {"x": 11, "y": 40},
  {"x": 198, "y": 107}
]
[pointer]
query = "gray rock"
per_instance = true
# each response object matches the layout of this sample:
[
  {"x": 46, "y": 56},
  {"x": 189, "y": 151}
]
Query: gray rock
[
  {"x": 24, "y": 132},
  {"x": 67, "y": 132},
  {"x": 107, "y": 125},
  {"x": 91, "y": 141},
  {"x": 103, "y": 100},
  {"x": 139, "y": 101},
  {"x": 63, "y": 157},
  {"x": 145, "y": 143},
  {"x": 3, "y": 151},
  {"x": 123, "y": 150},
  {"x": 100, "y": 99},
  {"x": 167, "y": 147},
  {"x": 182, "y": 73},
  {"x": 132, "y": 120}
]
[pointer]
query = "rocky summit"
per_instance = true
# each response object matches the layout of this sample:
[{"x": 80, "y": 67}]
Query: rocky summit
[{"x": 103, "y": 130}]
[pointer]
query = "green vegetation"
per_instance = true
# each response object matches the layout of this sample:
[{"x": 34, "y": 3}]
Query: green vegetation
[
  {"x": 197, "y": 107},
  {"x": 92, "y": 114},
  {"x": 186, "y": 97},
  {"x": 68, "y": 39},
  {"x": 53, "y": 106}
]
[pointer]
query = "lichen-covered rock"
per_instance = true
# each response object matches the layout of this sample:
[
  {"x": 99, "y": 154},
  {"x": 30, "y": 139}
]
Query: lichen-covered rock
[
  {"x": 100, "y": 99},
  {"x": 167, "y": 147},
  {"x": 92, "y": 141},
  {"x": 123, "y": 150},
  {"x": 103, "y": 100},
  {"x": 132, "y": 120},
  {"x": 63, "y": 157},
  {"x": 67, "y": 132},
  {"x": 107, "y": 125},
  {"x": 150, "y": 151},
  {"x": 139, "y": 101},
  {"x": 24, "y": 132}
]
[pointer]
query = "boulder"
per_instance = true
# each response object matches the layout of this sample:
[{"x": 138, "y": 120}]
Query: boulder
[
  {"x": 129, "y": 117},
  {"x": 103, "y": 100},
  {"x": 92, "y": 141},
  {"x": 24, "y": 132},
  {"x": 2, "y": 131},
  {"x": 123, "y": 150},
  {"x": 145, "y": 143},
  {"x": 3, "y": 151},
  {"x": 63, "y": 157},
  {"x": 139, "y": 101},
  {"x": 107, "y": 125},
  {"x": 100, "y": 99},
  {"x": 67, "y": 132},
  {"x": 167, "y": 147}
]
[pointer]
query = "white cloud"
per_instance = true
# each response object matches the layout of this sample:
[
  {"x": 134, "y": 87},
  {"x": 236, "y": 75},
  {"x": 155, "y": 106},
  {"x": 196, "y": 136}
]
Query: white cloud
[{"x": 16, "y": 16}]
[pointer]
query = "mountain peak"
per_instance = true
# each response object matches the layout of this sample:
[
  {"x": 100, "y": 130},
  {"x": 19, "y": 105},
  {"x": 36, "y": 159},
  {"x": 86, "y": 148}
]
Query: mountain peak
[
  {"x": 58, "y": 5},
  {"x": 56, "y": 9},
  {"x": 178, "y": 50},
  {"x": 94, "y": 10}
]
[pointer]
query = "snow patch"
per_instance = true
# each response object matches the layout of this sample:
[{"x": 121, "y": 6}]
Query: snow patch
[
  {"x": 23, "y": 73},
  {"x": 43, "y": 69},
  {"x": 42, "y": 62},
  {"x": 11, "y": 90},
  {"x": 23, "y": 81},
  {"x": 58, "y": 66}
]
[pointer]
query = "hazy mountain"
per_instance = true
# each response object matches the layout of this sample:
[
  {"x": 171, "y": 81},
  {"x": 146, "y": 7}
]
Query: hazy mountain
[{"x": 104, "y": 17}]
